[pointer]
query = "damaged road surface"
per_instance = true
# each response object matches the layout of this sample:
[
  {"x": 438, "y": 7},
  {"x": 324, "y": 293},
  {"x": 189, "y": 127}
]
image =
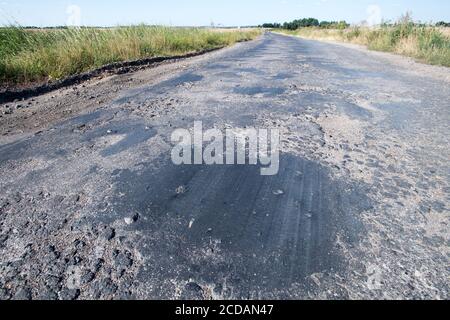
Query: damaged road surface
[{"x": 91, "y": 205}]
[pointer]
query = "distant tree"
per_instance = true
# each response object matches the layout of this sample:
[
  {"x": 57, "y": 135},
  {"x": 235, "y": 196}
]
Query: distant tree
[
  {"x": 334, "y": 25},
  {"x": 443, "y": 24},
  {"x": 271, "y": 25},
  {"x": 286, "y": 25},
  {"x": 307, "y": 22},
  {"x": 341, "y": 25},
  {"x": 326, "y": 24}
]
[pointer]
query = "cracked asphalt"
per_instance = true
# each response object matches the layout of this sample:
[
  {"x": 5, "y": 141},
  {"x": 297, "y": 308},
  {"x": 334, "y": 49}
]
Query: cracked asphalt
[{"x": 91, "y": 206}]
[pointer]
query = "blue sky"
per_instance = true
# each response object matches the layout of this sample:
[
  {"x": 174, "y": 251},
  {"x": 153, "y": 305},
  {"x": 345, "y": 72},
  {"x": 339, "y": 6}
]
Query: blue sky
[{"x": 203, "y": 12}]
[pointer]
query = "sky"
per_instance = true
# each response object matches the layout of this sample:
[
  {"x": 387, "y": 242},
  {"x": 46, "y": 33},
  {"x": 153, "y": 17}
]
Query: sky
[{"x": 205, "y": 12}]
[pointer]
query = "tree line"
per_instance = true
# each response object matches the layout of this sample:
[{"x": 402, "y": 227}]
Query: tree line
[
  {"x": 307, "y": 22},
  {"x": 443, "y": 24},
  {"x": 312, "y": 22}
]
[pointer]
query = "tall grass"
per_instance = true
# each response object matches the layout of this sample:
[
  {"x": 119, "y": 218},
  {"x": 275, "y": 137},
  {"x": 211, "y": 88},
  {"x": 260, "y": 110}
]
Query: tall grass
[
  {"x": 33, "y": 55},
  {"x": 425, "y": 43}
]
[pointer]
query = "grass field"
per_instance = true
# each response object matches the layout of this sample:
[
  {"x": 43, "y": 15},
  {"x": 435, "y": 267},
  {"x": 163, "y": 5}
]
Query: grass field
[
  {"x": 425, "y": 43},
  {"x": 28, "y": 55}
]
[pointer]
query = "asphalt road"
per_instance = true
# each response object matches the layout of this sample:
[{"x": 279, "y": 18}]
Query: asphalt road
[{"x": 92, "y": 207}]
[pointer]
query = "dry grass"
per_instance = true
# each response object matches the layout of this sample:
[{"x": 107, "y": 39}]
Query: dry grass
[
  {"x": 427, "y": 44},
  {"x": 445, "y": 31}
]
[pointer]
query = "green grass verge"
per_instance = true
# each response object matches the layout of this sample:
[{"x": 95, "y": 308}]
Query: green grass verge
[
  {"x": 46, "y": 54},
  {"x": 425, "y": 43}
]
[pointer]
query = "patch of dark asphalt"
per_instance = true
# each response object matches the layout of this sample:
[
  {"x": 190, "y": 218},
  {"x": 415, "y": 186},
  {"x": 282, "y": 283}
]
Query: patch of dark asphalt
[
  {"x": 266, "y": 91},
  {"x": 217, "y": 66},
  {"x": 229, "y": 226},
  {"x": 226, "y": 74},
  {"x": 248, "y": 70},
  {"x": 25, "y": 148},
  {"x": 59, "y": 135},
  {"x": 283, "y": 76},
  {"x": 85, "y": 129}
]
